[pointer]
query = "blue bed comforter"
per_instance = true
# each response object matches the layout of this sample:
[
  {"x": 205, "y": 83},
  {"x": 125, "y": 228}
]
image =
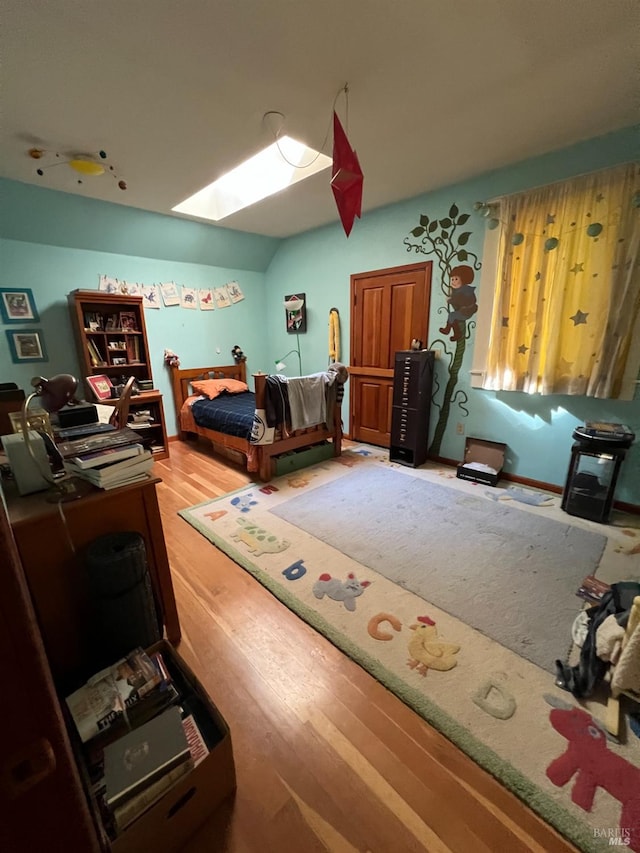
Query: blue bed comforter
[{"x": 231, "y": 414}]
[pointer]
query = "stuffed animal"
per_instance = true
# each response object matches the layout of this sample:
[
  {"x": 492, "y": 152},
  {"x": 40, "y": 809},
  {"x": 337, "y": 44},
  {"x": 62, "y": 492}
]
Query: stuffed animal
[{"x": 238, "y": 355}]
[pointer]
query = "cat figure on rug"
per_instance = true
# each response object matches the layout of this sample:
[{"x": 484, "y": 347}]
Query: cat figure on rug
[{"x": 345, "y": 591}]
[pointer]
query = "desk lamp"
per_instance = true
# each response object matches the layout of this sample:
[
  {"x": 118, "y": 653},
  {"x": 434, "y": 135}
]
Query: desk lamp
[
  {"x": 52, "y": 395},
  {"x": 294, "y": 308}
]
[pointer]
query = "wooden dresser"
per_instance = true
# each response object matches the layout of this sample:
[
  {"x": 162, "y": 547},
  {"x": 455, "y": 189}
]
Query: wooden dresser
[{"x": 51, "y": 539}]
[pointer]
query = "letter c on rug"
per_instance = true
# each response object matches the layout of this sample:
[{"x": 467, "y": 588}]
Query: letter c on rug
[{"x": 373, "y": 626}]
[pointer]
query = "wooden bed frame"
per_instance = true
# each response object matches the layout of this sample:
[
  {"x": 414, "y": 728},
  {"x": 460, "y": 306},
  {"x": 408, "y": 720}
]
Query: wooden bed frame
[{"x": 260, "y": 457}]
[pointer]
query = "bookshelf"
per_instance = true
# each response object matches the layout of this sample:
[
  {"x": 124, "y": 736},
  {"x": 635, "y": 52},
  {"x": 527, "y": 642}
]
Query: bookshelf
[{"x": 111, "y": 339}]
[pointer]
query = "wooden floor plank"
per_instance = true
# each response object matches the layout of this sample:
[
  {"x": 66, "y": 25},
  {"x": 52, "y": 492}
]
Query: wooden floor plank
[{"x": 326, "y": 757}]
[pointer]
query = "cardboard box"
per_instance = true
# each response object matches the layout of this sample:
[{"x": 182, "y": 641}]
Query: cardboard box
[
  {"x": 167, "y": 825},
  {"x": 487, "y": 452}
]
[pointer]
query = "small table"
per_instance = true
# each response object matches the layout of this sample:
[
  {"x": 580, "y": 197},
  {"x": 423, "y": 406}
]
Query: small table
[
  {"x": 595, "y": 463},
  {"x": 51, "y": 540}
]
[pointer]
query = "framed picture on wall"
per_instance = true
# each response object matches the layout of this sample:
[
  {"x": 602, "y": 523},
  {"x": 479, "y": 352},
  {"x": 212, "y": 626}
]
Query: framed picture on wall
[
  {"x": 17, "y": 306},
  {"x": 295, "y": 312},
  {"x": 26, "y": 345}
]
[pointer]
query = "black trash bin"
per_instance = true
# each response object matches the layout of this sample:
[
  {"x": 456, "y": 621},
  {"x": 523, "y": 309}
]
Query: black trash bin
[{"x": 124, "y": 612}]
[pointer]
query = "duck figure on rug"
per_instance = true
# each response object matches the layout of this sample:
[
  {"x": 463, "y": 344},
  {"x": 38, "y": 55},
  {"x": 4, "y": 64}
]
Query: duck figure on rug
[{"x": 427, "y": 651}]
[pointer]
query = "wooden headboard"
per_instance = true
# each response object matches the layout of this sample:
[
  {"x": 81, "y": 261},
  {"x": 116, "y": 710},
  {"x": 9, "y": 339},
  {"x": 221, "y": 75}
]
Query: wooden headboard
[{"x": 181, "y": 379}]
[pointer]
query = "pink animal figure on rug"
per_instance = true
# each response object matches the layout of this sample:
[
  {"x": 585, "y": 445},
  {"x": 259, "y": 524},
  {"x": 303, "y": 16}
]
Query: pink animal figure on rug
[{"x": 589, "y": 757}]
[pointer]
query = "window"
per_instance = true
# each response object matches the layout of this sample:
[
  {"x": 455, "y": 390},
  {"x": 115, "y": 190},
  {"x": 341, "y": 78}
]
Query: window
[{"x": 560, "y": 305}]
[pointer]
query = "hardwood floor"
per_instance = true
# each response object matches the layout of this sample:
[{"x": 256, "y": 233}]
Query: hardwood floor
[{"x": 326, "y": 757}]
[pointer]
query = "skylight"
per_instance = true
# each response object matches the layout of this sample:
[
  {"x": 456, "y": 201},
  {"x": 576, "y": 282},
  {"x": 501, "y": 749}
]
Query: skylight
[{"x": 260, "y": 176}]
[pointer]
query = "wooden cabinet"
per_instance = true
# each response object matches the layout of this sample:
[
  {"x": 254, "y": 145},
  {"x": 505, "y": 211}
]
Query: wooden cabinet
[
  {"x": 46, "y": 801},
  {"x": 111, "y": 338},
  {"x": 42, "y": 801},
  {"x": 412, "y": 381},
  {"x": 52, "y": 555}
]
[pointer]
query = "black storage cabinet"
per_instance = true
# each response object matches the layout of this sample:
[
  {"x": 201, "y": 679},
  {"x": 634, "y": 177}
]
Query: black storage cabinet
[
  {"x": 412, "y": 383},
  {"x": 595, "y": 463}
]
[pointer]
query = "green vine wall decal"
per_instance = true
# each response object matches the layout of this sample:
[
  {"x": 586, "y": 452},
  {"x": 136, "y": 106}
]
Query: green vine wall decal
[{"x": 458, "y": 266}]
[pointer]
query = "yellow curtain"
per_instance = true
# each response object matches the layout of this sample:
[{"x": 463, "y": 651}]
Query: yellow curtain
[{"x": 567, "y": 286}]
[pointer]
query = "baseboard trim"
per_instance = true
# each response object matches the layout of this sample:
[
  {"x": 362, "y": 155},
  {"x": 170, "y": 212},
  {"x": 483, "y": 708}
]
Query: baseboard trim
[{"x": 537, "y": 484}]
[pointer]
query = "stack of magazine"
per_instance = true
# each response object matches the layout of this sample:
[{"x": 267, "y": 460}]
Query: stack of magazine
[
  {"x": 139, "y": 740},
  {"x": 108, "y": 460},
  {"x": 128, "y": 693}
]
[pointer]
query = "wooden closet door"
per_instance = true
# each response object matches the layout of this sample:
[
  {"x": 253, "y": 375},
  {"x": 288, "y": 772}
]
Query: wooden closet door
[
  {"x": 42, "y": 802},
  {"x": 389, "y": 308}
]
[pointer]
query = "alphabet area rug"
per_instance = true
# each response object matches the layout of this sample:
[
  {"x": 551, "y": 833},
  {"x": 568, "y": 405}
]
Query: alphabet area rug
[{"x": 454, "y": 630}]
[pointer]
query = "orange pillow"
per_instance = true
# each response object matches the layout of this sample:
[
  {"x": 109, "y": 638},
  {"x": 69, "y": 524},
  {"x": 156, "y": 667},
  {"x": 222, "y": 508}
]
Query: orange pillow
[{"x": 212, "y": 388}]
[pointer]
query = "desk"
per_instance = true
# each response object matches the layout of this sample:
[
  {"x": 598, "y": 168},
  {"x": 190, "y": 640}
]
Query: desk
[{"x": 51, "y": 540}]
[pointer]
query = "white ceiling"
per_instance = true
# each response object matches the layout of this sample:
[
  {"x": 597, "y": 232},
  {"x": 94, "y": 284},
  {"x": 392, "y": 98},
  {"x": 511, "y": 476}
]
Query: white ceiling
[{"x": 175, "y": 91}]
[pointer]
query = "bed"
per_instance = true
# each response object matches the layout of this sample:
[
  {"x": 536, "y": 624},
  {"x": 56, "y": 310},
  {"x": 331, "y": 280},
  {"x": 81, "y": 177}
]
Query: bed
[{"x": 228, "y": 423}]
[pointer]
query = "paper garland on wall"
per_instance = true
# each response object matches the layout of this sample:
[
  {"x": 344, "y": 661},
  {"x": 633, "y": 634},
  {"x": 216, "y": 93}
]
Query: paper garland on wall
[
  {"x": 189, "y": 297},
  {"x": 205, "y": 299},
  {"x": 221, "y": 297},
  {"x": 171, "y": 294},
  {"x": 234, "y": 291},
  {"x": 107, "y": 284},
  {"x": 150, "y": 295}
]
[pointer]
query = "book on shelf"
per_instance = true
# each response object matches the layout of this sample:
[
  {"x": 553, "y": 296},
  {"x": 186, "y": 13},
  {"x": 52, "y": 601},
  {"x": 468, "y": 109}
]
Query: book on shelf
[
  {"x": 115, "y": 695},
  {"x": 143, "y": 756},
  {"x": 95, "y": 355},
  {"x": 100, "y": 441},
  {"x": 133, "y": 349},
  {"x": 107, "y": 456}
]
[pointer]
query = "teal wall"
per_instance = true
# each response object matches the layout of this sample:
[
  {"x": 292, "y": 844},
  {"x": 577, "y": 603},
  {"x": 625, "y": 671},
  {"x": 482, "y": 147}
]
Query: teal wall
[
  {"x": 55, "y": 242},
  {"x": 52, "y": 272},
  {"x": 536, "y": 429}
]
